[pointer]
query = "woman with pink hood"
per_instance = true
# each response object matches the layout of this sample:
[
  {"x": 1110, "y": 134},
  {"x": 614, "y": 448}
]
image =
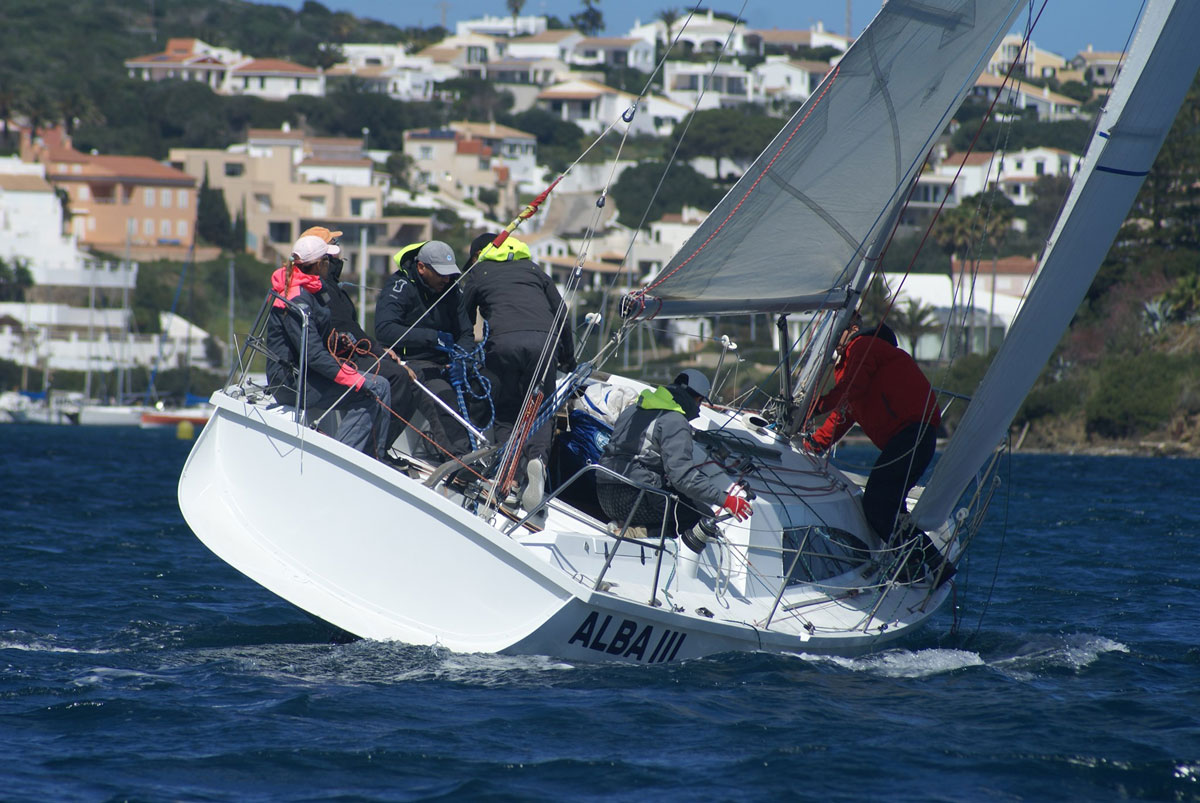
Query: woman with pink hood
[{"x": 364, "y": 408}]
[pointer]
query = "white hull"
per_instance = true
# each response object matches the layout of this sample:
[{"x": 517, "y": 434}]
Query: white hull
[
  {"x": 116, "y": 415},
  {"x": 364, "y": 547}
]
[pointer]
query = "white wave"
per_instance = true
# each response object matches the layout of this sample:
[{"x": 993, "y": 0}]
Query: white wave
[
  {"x": 1075, "y": 652},
  {"x": 30, "y": 643},
  {"x": 904, "y": 663},
  {"x": 107, "y": 675}
]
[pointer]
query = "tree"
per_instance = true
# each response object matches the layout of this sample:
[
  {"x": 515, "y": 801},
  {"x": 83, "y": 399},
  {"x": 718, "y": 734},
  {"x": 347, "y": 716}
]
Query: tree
[
  {"x": 589, "y": 21},
  {"x": 735, "y": 133},
  {"x": 489, "y": 197},
  {"x": 668, "y": 17},
  {"x": 514, "y": 8},
  {"x": 634, "y": 191},
  {"x": 212, "y": 216},
  {"x": 911, "y": 321}
]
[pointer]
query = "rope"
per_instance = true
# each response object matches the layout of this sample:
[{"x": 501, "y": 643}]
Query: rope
[{"x": 466, "y": 372}]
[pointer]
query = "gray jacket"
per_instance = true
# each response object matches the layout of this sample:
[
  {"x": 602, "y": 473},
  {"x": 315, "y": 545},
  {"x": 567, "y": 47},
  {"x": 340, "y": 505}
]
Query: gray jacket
[{"x": 652, "y": 444}]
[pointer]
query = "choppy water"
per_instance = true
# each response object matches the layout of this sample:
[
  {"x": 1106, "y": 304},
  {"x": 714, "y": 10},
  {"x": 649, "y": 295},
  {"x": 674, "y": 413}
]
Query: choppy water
[{"x": 135, "y": 665}]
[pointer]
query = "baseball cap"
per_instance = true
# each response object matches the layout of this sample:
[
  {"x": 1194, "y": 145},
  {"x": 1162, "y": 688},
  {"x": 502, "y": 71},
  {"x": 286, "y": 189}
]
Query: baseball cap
[
  {"x": 311, "y": 248},
  {"x": 439, "y": 256},
  {"x": 322, "y": 232}
]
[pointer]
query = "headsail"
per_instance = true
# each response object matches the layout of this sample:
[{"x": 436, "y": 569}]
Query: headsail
[
  {"x": 793, "y": 230},
  {"x": 1160, "y": 67}
]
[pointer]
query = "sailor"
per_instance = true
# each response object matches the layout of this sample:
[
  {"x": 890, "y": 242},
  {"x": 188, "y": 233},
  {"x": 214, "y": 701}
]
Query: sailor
[
  {"x": 362, "y": 410},
  {"x": 520, "y": 304},
  {"x": 352, "y": 343},
  {"x": 419, "y": 315},
  {"x": 652, "y": 444},
  {"x": 881, "y": 388}
]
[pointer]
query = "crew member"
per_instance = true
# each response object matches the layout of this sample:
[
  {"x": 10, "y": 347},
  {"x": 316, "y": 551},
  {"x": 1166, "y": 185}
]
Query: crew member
[
  {"x": 652, "y": 444},
  {"x": 520, "y": 304},
  {"x": 419, "y": 315},
  {"x": 881, "y": 388},
  {"x": 353, "y": 343},
  {"x": 362, "y": 410}
]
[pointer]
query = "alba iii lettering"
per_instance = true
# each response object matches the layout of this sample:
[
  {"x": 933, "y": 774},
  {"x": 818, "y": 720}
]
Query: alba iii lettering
[{"x": 628, "y": 639}]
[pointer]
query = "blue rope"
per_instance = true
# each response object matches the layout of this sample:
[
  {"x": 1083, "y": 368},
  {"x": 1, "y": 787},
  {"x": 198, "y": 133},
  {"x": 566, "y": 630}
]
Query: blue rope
[{"x": 470, "y": 362}]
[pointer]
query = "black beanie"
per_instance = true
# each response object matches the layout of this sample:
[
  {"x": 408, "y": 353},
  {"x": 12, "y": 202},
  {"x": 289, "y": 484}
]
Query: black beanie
[
  {"x": 481, "y": 242},
  {"x": 883, "y": 332}
]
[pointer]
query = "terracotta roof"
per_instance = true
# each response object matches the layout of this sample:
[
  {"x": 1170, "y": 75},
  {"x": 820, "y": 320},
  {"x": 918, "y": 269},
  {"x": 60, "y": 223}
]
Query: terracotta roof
[
  {"x": 181, "y": 45},
  {"x": 273, "y": 133},
  {"x": 569, "y": 262},
  {"x": 607, "y": 41},
  {"x": 20, "y": 182},
  {"x": 273, "y": 66},
  {"x": 314, "y": 162},
  {"x": 1012, "y": 266},
  {"x": 774, "y": 36},
  {"x": 572, "y": 90},
  {"x": 549, "y": 36},
  {"x": 490, "y": 130},
  {"x": 472, "y": 146},
  {"x": 129, "y": 168}
]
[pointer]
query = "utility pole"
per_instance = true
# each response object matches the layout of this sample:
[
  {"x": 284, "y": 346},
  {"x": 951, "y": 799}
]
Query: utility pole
[{"x": 444, "y": 7}]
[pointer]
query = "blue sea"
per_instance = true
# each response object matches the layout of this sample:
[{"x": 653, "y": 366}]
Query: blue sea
[{"x": 135, "y": 665}]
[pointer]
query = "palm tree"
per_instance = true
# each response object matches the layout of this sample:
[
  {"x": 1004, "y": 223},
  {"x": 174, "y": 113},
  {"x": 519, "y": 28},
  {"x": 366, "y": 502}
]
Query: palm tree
[
  {"x": 668, "y": 17},
  {"x": 913, "y": 320},
  {"x": 514, "y": 8}
]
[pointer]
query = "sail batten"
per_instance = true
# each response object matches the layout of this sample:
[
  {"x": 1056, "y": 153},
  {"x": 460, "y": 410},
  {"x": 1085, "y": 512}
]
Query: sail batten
[
  {"x": 1160, "y": 67},
  {"x": 798, "y": 222}
]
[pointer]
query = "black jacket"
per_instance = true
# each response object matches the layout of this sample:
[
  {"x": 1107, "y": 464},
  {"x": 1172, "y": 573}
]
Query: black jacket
[
  {"x": 404, "y": 299},
  {"x": 284, "y": 335},
  {"x": 515, "y": 296}
]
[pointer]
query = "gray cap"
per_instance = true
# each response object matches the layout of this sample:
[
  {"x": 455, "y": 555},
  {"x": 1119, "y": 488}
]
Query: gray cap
[{"x": 439, "y": 256}]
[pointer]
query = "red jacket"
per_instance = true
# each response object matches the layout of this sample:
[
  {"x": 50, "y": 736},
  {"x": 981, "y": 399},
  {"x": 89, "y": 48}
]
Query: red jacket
[{"x": 881, "y": 388}]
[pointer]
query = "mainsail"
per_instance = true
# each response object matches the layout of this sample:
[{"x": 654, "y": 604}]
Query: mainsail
[
  {"x": 794, "y": 229},
  {"x": 1160, "y": 67}
]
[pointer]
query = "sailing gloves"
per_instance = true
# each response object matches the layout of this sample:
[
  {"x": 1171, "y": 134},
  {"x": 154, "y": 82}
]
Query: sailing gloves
[
  {"x": 737, "y": 502},
  {"x": 445, "y": 342}
]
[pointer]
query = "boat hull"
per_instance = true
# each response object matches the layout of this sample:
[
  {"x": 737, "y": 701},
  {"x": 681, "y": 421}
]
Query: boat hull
[{"x": 362, "y": 546}]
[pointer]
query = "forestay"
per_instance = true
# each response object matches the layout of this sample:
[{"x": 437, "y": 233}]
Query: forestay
[
  {"x": 1161, "y": 65},
  {"x": 794, "y": 229}
]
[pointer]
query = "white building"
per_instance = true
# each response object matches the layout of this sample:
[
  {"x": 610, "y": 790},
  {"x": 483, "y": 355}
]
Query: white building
[
  {"x": 1016, "y": 172},
  {"x": 388, "y": 70},
  {"x": 502, "y": 26},
  {"x": 555, "y": 44},
  {"x": 704, "y": 33},
  {"x": 614, "y": 52},
  {"x": 1050, "y": 106},
  {"x": 592, "y": 106},
  {"x": 276, "y": 79},
  {"x": 783, "y": 79},
  {"x": 727, "y": 83}
]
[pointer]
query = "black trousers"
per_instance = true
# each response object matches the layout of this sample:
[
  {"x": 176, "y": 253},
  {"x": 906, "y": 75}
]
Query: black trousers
[
  {"x": 617, "y": 501},
  {"x": 407, "y": 398},
  {"x": 454, "y": 435},
  {"x": 512, "y": 359},
  {"x": 899, "y": 466}
]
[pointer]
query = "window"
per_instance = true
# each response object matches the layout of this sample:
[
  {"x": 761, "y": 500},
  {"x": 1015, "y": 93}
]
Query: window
[
  {"x": 262, "y": 82},
  {"x": 164, "y": 228},
  {"x": 166, "y": 199},
  {"x": 149, "y": 192},
  {"x": 1039, "y": 168},
  {"x": 280, "y": 232},
  {"x": 298, "y": 87},
  {"x": 183, "y": 199},
  {"x": 426, "y": 152},
  {"x": 181, "y": 229},
  {"x": 148, "y": 227},
  {"x": 84, "y": 192},
  {"x": 234, "y": 169}
]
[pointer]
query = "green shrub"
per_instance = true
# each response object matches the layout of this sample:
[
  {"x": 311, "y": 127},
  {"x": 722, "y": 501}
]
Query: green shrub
[{"x": 1134, "y": 395}]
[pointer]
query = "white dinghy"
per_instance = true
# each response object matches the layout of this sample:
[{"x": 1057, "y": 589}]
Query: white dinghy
[{"x": 424, "y": 555}]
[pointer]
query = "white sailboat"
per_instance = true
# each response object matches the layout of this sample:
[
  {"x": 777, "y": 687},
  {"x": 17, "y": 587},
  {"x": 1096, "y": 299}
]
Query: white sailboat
[{"x": 405, "y": 555}]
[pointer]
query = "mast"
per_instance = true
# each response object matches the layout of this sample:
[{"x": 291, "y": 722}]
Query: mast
[{"x": 1160, "y": 67}]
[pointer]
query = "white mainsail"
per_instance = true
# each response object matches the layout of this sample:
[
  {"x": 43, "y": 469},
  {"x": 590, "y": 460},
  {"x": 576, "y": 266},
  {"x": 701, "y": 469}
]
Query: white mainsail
[
  {"x": 1157, "y": 72},
  {"x": 793, "y": 230}
]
